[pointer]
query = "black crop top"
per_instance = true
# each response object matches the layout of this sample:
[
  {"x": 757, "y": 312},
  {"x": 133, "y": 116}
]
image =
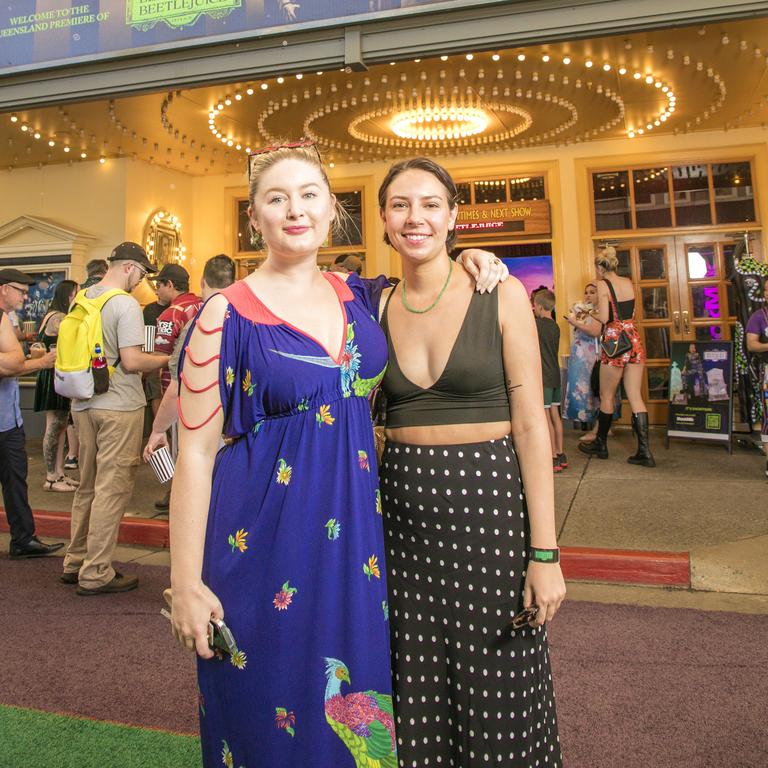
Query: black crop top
[{"x": 470, "y": 389}]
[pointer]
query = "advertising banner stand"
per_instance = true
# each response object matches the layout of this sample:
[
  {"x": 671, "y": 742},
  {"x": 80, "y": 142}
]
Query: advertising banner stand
[{"x": 701, "y": 392}]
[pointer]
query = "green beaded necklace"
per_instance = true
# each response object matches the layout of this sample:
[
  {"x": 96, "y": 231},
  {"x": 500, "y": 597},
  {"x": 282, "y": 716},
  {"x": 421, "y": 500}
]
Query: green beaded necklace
[{"x": 439, "y": 295}]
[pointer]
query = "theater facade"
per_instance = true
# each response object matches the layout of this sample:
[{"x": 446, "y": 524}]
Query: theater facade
[{"x": 566, "y": 126}]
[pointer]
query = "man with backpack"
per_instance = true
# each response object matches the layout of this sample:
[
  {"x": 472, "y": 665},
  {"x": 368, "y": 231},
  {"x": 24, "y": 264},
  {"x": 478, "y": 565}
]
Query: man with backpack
[
  {"x": 109, "y": 421},
  {"x": 14, "y": 286}
]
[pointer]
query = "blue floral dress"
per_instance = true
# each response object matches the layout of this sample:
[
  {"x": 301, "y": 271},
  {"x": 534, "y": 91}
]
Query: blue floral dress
[
  {"x": 294, "y": 546},
  {"x": 580, "y": 403}
]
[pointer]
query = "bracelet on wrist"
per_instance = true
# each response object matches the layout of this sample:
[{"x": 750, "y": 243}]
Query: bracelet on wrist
[{"x": 539, "y": 555}]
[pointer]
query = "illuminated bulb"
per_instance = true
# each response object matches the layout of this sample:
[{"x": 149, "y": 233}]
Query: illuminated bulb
[
  {"x": 299, "y": 76},
  {"x": 656, "y": 122},
  {"x": 495, "y": 57},
  {"x": 14, "y": 119},
  {"x": 545, "y": 58},
  {"x": 37, "y": 135},
  {"x": 443, "y": 58},
  {"x": 640, "y": 131},
  {"x": 637, "y": 75},
  {"x": 227, "y": 101},
  {"x": 249, "y": 91},
  {"x": 606, "y": 67},
  {"x": 566, "y": 59},
  {"x": 230, "y": 142},
  {"x": 649, "y": 79},
  {"x": 51, "y": 143},
  {"x": 622, "y": 70},
  {"x": 219, "y": 106},
  {"x": 657, "y": 84},
  {"x": 281, "y": 80},
  {"x": 83, "y": 155},
  {"x": 588, "y": 63},
  {"x": 66, "y": 149},
  {"x": 724, "y": 40},
  {"x": 24, "y": 128},
  {"x": 238, "y": 96},
  {"x": 665, "y": 89},
  {"x": 631, "y": 134},
  {"x": 264, "y": 86},
  {"x": 521, "y": 57},
  {"x": 102, "y": 160},
  {"x": 469, "y": 57}
]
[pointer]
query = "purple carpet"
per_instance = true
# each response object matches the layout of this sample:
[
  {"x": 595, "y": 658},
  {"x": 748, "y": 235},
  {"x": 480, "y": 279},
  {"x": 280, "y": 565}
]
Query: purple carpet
[{"x": 636, "y": 687}]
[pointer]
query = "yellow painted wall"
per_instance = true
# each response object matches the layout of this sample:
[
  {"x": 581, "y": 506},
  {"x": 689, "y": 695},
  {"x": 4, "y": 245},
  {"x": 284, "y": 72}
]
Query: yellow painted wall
[
  {"x": 114, "y": 201},
  {"x": 85, "y": 196}
]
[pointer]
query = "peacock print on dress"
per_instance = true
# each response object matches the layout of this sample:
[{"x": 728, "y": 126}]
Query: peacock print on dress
[
  {"x": 363, "y": 721},
  {"x": 294, "y": 544}
]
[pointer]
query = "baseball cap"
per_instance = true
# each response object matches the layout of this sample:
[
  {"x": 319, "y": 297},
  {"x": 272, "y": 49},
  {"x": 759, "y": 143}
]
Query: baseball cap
[
  {"x": 174, "y": 272},
  {"x": 9, "y": 275},
  {"x": 129, "y": 251},
  {"x": 352, "y": 263}
]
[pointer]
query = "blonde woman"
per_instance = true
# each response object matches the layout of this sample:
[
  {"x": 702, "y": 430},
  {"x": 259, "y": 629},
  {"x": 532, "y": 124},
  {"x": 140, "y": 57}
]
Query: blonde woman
[{"x": 616, "y": 310}]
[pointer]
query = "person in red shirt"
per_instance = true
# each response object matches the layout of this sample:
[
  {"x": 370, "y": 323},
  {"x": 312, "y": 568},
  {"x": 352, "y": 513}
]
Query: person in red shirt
[{"x": 172, "y": 285}]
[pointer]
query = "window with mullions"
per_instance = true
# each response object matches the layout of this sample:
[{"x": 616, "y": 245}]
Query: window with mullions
[
  {"x": 651, "y": 187},
  {"x": 734, "y": 198},
  {"x": 526, "y": 188},
  {"x": 690, "y": 185},
  {"x": 610, "y": 192},
  {"x": 490, "y": 191}
]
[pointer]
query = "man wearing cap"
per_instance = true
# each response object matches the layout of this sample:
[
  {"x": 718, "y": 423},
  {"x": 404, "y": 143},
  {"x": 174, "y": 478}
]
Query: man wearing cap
[
  {"x": 173, "y": 289},
  {"x": 110, "y": 427},
  {"x": 14, "y": 287},
  {"x": 347, "y": 262}
]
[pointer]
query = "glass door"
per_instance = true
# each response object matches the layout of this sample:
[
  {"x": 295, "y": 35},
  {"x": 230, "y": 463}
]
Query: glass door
[
  {"x": 652, "y": 267},
  {"x": 683, "y": 293}
]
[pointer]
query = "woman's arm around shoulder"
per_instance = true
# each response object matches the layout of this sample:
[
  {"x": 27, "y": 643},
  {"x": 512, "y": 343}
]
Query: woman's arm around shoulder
[
  {"x": 544, "y": 584},
  {"x": 200, "y": 427}
]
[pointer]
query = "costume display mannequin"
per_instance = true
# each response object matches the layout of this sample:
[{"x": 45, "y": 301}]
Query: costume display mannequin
[{"x": 748, "y": 277}]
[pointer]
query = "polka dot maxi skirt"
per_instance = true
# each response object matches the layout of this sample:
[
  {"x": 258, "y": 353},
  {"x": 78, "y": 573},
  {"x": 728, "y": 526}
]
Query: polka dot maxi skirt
[{"x": 470, "y": 692}]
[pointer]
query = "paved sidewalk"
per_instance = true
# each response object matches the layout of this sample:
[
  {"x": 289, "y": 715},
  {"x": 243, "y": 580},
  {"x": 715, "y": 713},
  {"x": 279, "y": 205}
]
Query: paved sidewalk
[{"x": 698, "y": 500}]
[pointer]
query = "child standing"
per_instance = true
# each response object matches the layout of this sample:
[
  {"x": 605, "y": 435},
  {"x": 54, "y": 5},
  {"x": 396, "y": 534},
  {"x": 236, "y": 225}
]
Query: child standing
[{"x": 549, "y": 342}]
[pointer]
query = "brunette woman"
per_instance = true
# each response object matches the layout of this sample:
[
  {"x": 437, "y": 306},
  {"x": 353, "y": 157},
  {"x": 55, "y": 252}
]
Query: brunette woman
[
  {"x": 55, "y": 407},
  {"x": 616, "y": 309},
  {"x": 468, "y": 499}
]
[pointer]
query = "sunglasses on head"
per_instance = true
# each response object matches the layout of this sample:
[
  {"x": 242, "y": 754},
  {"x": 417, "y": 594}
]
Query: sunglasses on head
[{"x": 304, "y": 143}]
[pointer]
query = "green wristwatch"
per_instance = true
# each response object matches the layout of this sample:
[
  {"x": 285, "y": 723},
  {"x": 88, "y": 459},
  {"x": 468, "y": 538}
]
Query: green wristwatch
[{"x": 536, "y": 555}]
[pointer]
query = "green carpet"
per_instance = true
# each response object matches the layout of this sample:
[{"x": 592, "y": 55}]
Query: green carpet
[{"x": 34, "y": 739}]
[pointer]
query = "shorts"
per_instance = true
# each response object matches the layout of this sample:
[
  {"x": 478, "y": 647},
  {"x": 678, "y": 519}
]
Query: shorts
[
  {"x": 635, "y": 355},
  {"x": 552, "y": 396}
]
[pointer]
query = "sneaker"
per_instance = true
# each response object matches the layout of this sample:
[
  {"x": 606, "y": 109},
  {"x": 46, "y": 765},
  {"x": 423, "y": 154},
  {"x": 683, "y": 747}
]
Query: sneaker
[
  {"x": 556, "y": 464},
  {"x": 70, "y": 462},
  {"x": 119, "y": 583},
  {"x": 563, "y": 459}
]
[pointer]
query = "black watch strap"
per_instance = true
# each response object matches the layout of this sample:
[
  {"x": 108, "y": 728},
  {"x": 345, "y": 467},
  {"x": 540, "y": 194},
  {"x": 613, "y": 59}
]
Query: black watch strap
[{"x": 537, "y": 555}]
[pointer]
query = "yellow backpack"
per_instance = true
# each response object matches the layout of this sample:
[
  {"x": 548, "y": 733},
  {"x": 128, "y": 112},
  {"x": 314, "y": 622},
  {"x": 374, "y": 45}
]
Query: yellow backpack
[{"x": 80, "y": 333}]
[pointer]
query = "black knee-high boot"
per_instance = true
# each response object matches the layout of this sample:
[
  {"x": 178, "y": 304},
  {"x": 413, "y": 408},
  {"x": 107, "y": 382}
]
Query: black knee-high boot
[
  {"x": 643, "y": 455},
  {"x": 599, "y": 446}
]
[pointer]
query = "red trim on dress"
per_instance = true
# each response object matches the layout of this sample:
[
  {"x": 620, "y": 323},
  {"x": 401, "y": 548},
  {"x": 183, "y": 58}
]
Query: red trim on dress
[
  {"x": 202, "y": 424},
  {"x": 191, "y": 389},
  {"x": 207, "y": 331},
  {"x": 201, "y": 364}
]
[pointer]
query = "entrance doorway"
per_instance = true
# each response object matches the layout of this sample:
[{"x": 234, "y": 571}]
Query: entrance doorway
[{"x": 683, "y": 294}]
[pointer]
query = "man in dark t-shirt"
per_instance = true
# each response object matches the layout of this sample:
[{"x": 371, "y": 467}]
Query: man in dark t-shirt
[{"x": 549, "y": 343}]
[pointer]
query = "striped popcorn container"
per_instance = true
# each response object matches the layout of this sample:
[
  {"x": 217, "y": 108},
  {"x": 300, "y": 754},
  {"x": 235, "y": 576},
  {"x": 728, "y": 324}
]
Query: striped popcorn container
[
  {"x": 149, "y": 338},
  {"x": 162, "y": 464}
]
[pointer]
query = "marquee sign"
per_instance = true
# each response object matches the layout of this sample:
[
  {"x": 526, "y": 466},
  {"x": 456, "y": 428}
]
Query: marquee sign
[{"x": 40, "y": 33}]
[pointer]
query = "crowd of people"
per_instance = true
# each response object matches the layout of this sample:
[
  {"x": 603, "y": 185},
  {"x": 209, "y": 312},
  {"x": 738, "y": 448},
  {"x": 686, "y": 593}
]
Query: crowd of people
[{"x": 376, "y": 585}]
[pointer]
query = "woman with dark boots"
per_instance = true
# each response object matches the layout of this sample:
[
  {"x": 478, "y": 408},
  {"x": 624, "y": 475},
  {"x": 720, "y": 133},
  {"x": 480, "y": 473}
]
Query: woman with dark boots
[{"x": 616, "y": 309}]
